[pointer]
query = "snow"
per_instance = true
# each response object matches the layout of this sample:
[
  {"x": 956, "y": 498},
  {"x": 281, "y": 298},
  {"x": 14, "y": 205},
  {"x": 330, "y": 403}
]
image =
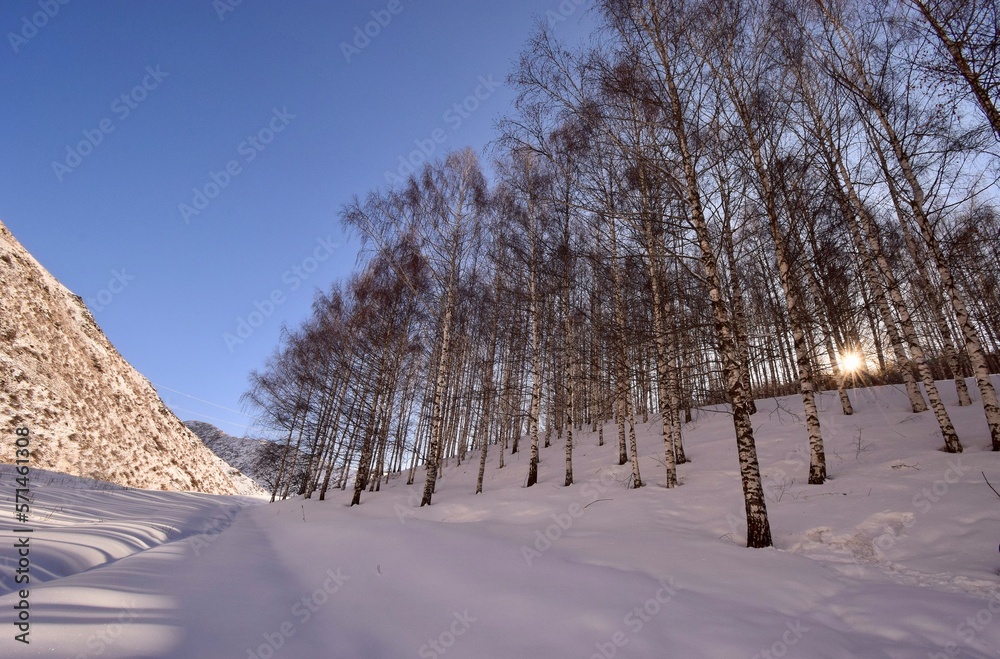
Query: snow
[{"x": 895, "y": 556}]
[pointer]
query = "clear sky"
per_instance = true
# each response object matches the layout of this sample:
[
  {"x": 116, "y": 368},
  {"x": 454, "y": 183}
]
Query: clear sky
[{"x": 180, "y": 165}]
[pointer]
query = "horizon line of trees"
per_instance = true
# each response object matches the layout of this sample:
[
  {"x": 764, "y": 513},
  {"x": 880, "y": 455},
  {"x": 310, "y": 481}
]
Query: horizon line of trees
[{"x": 710, "y": 201}]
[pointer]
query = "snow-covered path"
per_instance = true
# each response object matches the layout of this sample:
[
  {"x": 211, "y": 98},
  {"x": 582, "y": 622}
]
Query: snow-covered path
[
  {"x": 273, "y": 585},
  {"x": 894, "y": 557}
]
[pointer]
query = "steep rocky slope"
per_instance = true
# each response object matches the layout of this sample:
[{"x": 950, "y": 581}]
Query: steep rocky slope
[{"x": 89, "y": 412}]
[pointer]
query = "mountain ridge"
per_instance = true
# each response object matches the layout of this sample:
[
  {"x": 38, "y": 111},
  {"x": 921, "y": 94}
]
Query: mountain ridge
[
  {"x": 245, "y": 454},
  {"x": 88, "y": 411}
]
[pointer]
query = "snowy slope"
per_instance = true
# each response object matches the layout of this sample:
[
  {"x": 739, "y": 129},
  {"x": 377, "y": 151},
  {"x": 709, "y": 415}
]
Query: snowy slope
[
  {"x": 80, "y": 523},
  {"x": 896, "y": 556},
  {"x": 90, "y": 413},
  {"x": 245, "y": 454}
]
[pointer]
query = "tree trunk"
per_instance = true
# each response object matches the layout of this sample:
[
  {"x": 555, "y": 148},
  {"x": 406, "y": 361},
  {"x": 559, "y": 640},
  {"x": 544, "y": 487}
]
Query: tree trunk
[
  {"x": 437, "y": 412},
  {"x": 862, "y": 87}
]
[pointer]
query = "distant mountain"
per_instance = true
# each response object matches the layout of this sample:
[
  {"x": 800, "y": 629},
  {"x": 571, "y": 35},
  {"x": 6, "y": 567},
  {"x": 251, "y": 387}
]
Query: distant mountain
[
  {"x": 249, "y": 456},
  {"x": 88, "y": 411}
]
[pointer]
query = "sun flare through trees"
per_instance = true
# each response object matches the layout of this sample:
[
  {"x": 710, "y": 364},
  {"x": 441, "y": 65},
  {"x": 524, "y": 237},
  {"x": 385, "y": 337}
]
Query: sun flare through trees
[{"x": 711, "y": 201}]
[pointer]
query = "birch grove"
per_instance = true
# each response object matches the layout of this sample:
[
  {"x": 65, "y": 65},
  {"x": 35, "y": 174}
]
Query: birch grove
[{"x": 709, "y": 201}]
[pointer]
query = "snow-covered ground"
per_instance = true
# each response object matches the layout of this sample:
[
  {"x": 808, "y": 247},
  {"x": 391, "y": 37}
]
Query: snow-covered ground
[{"x": 895, "y": 556}]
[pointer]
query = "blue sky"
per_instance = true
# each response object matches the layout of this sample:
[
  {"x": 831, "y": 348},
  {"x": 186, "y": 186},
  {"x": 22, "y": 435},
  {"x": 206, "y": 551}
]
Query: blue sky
[{"x": 181, "y": 165}]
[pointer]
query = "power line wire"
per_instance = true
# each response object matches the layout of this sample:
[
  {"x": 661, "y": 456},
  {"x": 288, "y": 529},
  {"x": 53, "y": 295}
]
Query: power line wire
[{"x": 202, "y": 400}]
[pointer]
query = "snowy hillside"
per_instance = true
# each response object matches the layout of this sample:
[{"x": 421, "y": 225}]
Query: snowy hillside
[
  {"x": 81, "y": 523},
  {"x": 244, "y": 453},
  {"x": 895, "y": 556},
  {"x": 89, "y": 412}
]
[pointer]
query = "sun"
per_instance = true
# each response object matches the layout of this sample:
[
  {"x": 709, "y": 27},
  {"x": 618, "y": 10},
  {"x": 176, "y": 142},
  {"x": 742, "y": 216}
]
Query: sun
[{"x": 851, "y": 362}]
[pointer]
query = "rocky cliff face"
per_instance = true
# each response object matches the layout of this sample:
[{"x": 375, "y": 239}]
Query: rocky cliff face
[{"x": 89, "y": 412}]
